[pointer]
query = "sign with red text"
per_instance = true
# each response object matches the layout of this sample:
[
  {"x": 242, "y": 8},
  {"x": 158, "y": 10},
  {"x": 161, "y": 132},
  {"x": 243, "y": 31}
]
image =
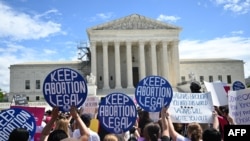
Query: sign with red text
[{"x": 91, "y": 104}]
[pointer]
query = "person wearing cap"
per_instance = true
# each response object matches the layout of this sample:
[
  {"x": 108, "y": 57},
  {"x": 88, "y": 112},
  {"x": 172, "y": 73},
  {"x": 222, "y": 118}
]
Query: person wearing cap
[{"x": 93, "y": 136}]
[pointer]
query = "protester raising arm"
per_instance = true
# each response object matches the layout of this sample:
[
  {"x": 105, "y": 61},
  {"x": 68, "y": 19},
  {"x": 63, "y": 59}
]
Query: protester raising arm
[
  {"x": 84, "y": 131},
  {"x": 172, "y": 132},
  {"x": 165, "y": 128},
  {"x": 215, "y": 120},
  {"x": 47, "y": 129}
]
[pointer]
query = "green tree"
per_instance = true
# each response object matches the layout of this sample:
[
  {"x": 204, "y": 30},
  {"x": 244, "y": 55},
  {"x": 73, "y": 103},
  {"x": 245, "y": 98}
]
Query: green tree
[{"x": 1, "y": 95}]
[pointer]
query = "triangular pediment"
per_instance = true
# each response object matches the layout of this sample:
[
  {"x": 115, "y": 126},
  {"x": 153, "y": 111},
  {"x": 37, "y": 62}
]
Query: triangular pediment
[{"x": 134, "y": 22}]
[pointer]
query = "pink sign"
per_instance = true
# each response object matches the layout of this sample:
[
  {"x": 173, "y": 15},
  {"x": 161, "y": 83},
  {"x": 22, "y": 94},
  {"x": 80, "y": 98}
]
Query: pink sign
[{"x": 37, "y": 112}]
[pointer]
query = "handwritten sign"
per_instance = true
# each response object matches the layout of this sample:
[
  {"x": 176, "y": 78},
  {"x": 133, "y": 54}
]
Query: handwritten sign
[
  {"x": 153, "y": 92},
  {"x": 237, "y": 85},
  {"x": 239, "y": 106},
  {"x": 117, "y": 113},
  {"x": 91, "y": 104},
  {"x": 16, "y": 118},
  {"x": 63, "y": 88},
  {"x": 191, "y": 107}
]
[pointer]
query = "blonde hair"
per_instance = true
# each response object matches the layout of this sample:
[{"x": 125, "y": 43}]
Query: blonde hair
[
  {"x": 63, "y": 124},
  {"x": 110, "y": 137},
  {"x": 194, "y": 131}
]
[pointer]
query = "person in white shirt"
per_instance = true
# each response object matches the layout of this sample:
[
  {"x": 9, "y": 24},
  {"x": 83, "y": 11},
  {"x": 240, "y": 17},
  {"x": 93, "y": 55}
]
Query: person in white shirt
[{"x": 86, "y": 118}]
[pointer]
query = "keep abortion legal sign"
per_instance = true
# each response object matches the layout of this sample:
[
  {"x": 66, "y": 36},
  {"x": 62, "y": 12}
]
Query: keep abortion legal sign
[
  {"x": 153, "y": 92},
  {"x": 64, "y": 88},
  {"x": 238, "y": 85},
  {"x": 13, "y": 118},
  {"x": 117, "y": 113}
]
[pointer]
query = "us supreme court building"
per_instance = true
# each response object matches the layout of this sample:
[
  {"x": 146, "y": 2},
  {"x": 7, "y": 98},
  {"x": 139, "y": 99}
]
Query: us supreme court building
[{"x": 123, "y": 52}]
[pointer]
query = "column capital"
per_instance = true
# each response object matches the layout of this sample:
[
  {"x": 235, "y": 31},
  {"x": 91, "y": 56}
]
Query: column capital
[
  {"x": 93, "y": 42},
  {"x": 128, "y": 42},
  {"x": 141, "y": 42},
  {"x": 175, "y": 41},
  {"x": 153, "y": 42},
  {"x": 117, "y": 42},
  {"x": 105, "y": 43},
  {"x": 165, "y": 42}
]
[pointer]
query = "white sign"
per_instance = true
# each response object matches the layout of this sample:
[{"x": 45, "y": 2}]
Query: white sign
[
  {"x": 191, "y": 107},
  {"x": 239, "y": 106},
  {"x": 91, "y": 104},
  {"x": 219, "y": 95}
]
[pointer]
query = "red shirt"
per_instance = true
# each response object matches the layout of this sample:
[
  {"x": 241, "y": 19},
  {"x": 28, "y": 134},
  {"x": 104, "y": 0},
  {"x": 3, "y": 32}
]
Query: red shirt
[{"x": 222, "y": 122}]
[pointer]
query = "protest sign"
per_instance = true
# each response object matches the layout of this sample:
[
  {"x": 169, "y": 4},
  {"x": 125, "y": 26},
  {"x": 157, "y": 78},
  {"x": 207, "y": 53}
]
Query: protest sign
[
  {"x": 237, "y": 85},
  {"x": 153, "y": 92},
  {"x": 64, "y": 88},
  {"x": 13, "y": 118},
  {"x": 117, "y": 113},
  {"x": 20, "y": 99},
  {"x": 91, "y": 104},
  {"x": 218, "y": 93},
  {"x": 94, "y": 125},
  {"x": 191, "y": 107},
  {"x": 37, "y": 112},
  {"x": 239, "y": 106}
]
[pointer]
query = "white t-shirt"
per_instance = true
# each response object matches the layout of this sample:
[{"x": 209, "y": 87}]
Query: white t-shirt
[
  {"x": 93, "y": 135},
  {"x": 182, "y": 138}
]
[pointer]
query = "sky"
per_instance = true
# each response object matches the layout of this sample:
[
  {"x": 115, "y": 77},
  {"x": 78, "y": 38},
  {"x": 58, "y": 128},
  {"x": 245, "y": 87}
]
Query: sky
[{"x": 51, "y": 30}]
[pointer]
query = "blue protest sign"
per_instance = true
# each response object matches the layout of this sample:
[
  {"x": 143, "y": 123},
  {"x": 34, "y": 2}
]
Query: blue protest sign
[
  {"x": 153, "y": 92},
  {"x": 13, "y": 118},
  {"x": 237, "y": 85},
  {"x": 63, "y": 88},
  {"x": 117, "y": 113}
]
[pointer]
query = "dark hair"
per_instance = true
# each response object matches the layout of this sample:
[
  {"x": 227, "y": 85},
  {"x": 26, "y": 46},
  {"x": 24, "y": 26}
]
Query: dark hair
[
  {"x": 195, "y": 87},
  {"x": 19, "y": 133},
  {"x": 152, "y": 131},
  {"x": 57, "y": 135},
  {"x": 211, "y": 134},
  {"x": 86, "y": 118}
]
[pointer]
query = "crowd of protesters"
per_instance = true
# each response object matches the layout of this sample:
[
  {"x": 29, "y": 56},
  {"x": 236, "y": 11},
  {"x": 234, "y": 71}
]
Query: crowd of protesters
[{"x": 75, "y": 125}]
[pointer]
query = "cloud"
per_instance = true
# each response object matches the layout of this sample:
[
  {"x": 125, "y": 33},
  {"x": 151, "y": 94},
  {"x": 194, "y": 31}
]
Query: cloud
[
  {"x": 49, "y": 52},
  {"x": 225, "y": 47},
  {"x": 102, "y": 16},
  {"x": 17, "y": 25},
  {"x": 236, "y": 6},
  {"x": 12, "y": 54},
  {"x": 239, "y": 32},
  {"x": 167, "y": 18}
]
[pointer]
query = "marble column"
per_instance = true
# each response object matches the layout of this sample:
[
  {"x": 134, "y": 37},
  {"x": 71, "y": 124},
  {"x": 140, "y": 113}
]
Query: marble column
[
  {"x": 129, "y": 65},
  {"x": 165, "y": 57},
  {"x": 176, "y": 63},
  {"x": 117, "y": 65},
  {"x": 105, "y": 65},
  {"x": 142, "y": 60},
  {"x": 153, "y": 58},
  {"x": 93, "y": 58}
]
